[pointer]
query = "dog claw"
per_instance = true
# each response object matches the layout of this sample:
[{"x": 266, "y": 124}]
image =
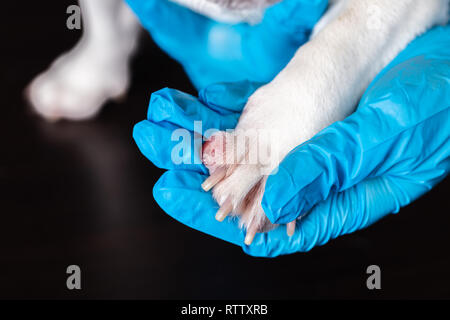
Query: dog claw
[
  {"x": 290, "y": 228},
  {"x": 224, "y": 210},
  {"x": 214, "y": 179},
  {"x": 251, "y": 232}
]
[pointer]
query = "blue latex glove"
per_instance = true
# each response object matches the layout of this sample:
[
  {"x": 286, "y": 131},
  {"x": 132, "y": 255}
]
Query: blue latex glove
[
  {"x": 393, "y": 149},
  {"x": 213, "y": 52}
]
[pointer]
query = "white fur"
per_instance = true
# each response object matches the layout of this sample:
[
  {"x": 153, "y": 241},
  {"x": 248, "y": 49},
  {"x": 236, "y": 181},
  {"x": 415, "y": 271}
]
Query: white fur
[{"x": 217, "y": 11}]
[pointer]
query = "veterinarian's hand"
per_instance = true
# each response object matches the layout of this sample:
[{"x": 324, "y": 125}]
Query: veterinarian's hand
[
  {"x": 213, "y": 52},
  {"x": 393, "y": 149},
  {"x": 170, "y": 122}
]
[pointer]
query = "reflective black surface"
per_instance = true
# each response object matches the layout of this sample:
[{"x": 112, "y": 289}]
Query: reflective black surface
[{"x": 81, "y": 193}]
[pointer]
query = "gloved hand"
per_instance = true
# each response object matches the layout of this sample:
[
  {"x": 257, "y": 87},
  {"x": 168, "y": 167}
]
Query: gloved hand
[
  {"x": 393, "y": 149},
  {"x": 213, "y": 52}
]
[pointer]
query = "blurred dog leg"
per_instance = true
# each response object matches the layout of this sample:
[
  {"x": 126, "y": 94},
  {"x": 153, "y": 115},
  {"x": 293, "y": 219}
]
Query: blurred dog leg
[{"x": 96, "y": 70}]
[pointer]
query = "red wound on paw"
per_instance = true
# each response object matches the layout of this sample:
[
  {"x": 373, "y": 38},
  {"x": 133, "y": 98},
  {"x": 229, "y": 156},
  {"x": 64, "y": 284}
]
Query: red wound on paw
[{"x": 213, "y": 152}]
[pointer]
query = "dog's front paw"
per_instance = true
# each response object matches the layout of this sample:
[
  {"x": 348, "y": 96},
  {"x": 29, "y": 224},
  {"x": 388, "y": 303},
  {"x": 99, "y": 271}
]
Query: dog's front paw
[
  {"x": 240, "y": 160},
  {"x": 77, "y": 85},
  {"x": 237, "y": 182}
]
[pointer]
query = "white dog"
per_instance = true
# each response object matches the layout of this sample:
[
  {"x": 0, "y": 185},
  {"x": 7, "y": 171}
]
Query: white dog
[{"x": 322, "y": 83}]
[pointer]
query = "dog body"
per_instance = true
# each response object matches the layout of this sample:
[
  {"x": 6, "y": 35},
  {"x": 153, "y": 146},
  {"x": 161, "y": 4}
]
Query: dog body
[{"x": 322, "y": 83}]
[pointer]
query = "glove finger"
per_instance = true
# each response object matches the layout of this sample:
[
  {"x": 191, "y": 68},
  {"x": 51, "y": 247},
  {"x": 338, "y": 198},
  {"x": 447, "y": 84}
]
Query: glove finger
[
  {"x": 392, "y": 131},
  {"x": 228, "y": 97},
  {"x": 341, "y": 213},
  {"x": 169, "y": 147},
  {"x": 172, "y": 136},
  {"x": 185, "y": 111},
  {"x": 180, "y": 195}
]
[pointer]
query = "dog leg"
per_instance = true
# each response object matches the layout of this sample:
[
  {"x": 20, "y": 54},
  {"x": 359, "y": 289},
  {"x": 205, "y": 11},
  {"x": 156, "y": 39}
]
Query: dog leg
[{"x": 96, "y": 70}]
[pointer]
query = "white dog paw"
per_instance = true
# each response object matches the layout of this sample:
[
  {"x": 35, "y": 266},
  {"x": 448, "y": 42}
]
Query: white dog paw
[
  {"x": 78, "y": 84},
  {"x": 237, "y": 185}
]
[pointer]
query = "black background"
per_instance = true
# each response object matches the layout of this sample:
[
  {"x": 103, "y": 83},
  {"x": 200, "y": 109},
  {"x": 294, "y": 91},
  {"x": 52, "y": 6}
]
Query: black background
[{"x": 81, "y": 193}]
